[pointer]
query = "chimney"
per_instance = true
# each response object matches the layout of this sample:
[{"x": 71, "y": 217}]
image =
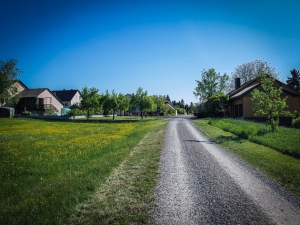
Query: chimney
[{"x": 237, "y": 83}]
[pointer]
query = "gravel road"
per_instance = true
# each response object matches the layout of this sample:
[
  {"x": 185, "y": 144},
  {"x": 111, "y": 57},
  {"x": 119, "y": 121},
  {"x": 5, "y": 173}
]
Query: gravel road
[{"x": 201, "y": 183}]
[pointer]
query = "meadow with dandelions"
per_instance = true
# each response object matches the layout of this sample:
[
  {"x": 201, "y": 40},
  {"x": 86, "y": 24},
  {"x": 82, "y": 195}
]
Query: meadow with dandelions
[{"x": 48, "y": 167}]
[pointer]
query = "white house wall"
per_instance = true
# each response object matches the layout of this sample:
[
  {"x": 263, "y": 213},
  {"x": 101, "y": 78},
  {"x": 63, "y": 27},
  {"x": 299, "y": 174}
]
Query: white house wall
[
  {"x": 46, "y": 95},
  {"x": 76, "y": 99}
]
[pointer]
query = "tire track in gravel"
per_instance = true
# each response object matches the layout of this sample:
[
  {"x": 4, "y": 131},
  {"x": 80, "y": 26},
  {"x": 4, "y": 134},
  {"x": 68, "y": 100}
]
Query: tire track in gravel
[{"x": 200, "y": 183}]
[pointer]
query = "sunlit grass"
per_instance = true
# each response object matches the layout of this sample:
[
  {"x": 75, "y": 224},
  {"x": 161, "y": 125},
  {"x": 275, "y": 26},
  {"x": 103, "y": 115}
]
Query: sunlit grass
[
  {"x": 127, "y": 195},
  {"x": 47, "y": 168},
  {"x": 282, "y": 168},
  {"x": 286, "y": 140}
]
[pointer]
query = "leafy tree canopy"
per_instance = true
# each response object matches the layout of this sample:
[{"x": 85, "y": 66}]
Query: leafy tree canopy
[
  {"x": 141, "y": 101},
  {"x": 251, "y": 70},
  {"x": 268, "y": 101},
  {"x": 123, "y": 102},
  {"x": 216, "y": 105},
  {"x": 8, "y": 75},
  {"x": 89, "y": 99},
  {"x": 211, "y": 83},
  {"x": 111, "y": 102}
]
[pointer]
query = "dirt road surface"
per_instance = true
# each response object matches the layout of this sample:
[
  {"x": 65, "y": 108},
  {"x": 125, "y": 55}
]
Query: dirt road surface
[{"x": 201, "y": 183}]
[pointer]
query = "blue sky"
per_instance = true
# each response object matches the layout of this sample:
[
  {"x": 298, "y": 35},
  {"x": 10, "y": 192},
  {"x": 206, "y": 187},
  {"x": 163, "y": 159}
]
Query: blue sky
[{"x": 161, "y": 46}]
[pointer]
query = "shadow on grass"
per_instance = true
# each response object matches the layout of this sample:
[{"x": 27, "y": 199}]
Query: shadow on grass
[{"x": 262, "y": 132}]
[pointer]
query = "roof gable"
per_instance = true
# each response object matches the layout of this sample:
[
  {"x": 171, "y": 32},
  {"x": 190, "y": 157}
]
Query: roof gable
[
  {"x": 65, "y": 95},
  {"x": 243, "y": 86},
  {"x": 22, "y": 84},
  {"x": 244, "y": 91},
  {"x": 252, "y": 84},
  {"x": 35, "y": 93}
]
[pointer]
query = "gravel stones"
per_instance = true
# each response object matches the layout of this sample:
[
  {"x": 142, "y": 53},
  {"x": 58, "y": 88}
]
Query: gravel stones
[{"x": 200, "y": 183}]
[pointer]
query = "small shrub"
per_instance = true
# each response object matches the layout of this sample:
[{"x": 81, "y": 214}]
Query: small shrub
[
  {"x": 296, "y": 123},
  {"x": 27, "y": 113}
]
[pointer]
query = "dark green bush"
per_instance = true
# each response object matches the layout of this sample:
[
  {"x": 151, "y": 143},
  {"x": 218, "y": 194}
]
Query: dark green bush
[
  {"x": 296, "y": 123},
  {"x": 27, "y": 113}
]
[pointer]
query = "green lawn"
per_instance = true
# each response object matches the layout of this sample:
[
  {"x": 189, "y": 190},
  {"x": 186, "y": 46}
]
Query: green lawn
[
  {"x": 286, "y": 140},
  {"x": 48, "y": 167},
  {"x": 282, "y": 168}
]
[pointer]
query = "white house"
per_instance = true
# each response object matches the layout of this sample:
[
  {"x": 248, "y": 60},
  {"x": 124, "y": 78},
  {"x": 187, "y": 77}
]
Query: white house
[{"x": 68, "y": 97}]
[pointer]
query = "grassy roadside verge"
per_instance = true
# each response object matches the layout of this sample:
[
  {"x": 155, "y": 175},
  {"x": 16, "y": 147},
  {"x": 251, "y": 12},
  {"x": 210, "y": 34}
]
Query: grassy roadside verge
[
  {"x": 282, "y": 168},
  {"x": 286, "y": 140},
  {"x": 49, "y": 167},
  {"x": 127, "y": 195}
]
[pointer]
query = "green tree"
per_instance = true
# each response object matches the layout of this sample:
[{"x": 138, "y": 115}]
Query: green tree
[
  {"x": 111, "y": 102},
  {"x": 140, "y": 101},
  {"x": 180, "y": 110},
  {"x": 192, "y": 108},
  {"x": 160, "y": 102},
  {"x": 211, "y": 83},
  {"x": 106, "y": 103},
  {"x": 114, "y": 102},
  {"x": 123, "y": 103},
  {"x": 8, "y": 76},
  {"x": 294, "y": 81},
  {"x": 89, "y": 100},
  {"x": 268, "y": 101},
  {"x": 75, "y": 110},
  {"x": 215, "y": 105},
  {"x": 152, "y": 106}
]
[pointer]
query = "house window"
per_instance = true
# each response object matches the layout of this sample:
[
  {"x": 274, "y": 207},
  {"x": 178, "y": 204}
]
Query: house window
[{"x": 66, "y": 104}]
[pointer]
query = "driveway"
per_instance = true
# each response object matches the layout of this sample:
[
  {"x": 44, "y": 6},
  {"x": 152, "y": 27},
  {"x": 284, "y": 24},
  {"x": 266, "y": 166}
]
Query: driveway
[{"x": 201, "y": 183}]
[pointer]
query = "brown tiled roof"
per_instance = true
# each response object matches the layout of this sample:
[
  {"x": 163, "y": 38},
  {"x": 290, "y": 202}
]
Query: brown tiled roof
[
  {"x": 28, "y": 93},
  {"x": 244, "y": 91},
  {"x": 249, "y": 86},
  {"x": 241, "y": 87},
  {"x": 34, "y": 93}
]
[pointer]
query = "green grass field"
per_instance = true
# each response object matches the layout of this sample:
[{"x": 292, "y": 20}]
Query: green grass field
[
  {"x": 283, "y": 168},
  {"x": 286, "y": 140},
  {"x": 48, "y": 167}
]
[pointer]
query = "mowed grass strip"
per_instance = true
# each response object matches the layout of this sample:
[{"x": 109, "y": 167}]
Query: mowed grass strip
[
  {"x": 286, "y": 140},
  {"x": 47, "y": 168},
  {"x": 282, "y": 168},
  {"x": 127, "y": 195}
]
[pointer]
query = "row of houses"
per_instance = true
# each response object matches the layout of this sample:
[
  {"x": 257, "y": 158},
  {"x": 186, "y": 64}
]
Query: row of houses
[{"x": 38, "y": 100}]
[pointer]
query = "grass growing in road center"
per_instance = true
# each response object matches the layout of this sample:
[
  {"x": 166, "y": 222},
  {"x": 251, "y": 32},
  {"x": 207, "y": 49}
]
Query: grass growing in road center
[
  {"x": 282, "y": 168},
  {"x": 47, "y": 168}
]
